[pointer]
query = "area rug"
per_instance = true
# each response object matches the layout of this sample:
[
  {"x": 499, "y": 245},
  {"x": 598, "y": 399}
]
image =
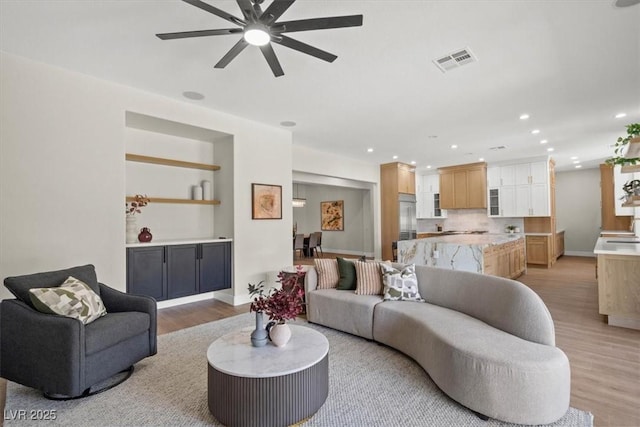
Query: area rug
[{"x": 369, "y": 385}]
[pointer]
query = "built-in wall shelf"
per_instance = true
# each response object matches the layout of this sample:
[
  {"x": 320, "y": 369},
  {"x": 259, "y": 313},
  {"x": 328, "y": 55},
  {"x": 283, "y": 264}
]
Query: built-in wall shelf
[
  {"x": 170, "y": 162},
  {"x": 178, "y": 201},
  {"x": 633, "y": 201}
]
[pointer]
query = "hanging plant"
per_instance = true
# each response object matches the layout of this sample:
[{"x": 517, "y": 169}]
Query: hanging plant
[{"x": 633, "y": 131}]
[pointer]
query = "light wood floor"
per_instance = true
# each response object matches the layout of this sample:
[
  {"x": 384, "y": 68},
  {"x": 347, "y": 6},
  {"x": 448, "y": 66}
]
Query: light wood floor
[{"x": 605, "y": 360}]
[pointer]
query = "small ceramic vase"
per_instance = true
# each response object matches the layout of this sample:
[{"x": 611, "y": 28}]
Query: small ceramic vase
[
  {"x": 279, "y": 334},
  {"x": 145, "y": 235}
]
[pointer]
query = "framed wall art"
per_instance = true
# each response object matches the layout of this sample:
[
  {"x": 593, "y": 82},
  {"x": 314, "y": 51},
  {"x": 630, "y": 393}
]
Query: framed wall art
[
  {"x": 332, "y": 215},
  {"x": 266, "y": 201}
]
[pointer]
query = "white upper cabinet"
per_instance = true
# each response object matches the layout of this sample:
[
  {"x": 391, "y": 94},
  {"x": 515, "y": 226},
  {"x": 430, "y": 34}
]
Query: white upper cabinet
[
  {"x": 520, "y": 190},
  {"x": 493, "y": 177},
  {"x": 428, "y": 197}
]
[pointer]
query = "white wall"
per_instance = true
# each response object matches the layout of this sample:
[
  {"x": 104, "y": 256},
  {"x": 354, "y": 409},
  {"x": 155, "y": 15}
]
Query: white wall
[
  {"x": 578, "y": 209},
  {"x": 62, "y": 174}
]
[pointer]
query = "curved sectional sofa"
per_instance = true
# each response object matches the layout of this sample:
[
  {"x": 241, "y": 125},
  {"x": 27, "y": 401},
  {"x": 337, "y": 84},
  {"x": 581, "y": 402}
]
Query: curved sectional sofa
[{"x": 487, "y": 342}]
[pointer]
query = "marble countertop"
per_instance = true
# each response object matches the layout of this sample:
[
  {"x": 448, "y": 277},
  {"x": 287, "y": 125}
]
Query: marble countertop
[
  {"x": 617, "y": 246},
  {"x": 472, "y": 239},
  {"x": 176, "y": 242},
  {"x": 234, "y": 355}
]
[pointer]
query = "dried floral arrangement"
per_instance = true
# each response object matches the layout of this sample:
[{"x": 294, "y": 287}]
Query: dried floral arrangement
[
  {"x": 281, "y": 304},
  {"x": 139, "y": 202}
]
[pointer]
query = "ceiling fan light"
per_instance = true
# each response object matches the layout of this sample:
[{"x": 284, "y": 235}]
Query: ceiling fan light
[{"x": 257, "y": 35}]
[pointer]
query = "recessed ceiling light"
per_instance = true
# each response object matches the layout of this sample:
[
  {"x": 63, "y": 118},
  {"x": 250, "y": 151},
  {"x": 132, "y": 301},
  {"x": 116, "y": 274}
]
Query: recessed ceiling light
[
  {"x": 535, "y": 131},
  {"x": 428, "y": 166},
  {"x": 454, "y": 146},
  {"x": 543, "y": 141},
  {"x": 578, "y": 166},
  {"x": 413, "y": 162},
  {"x": 481, "y": 159},
  {"x": 288, "y": 124},
  {"x": 369, "y": 150},
  {"x": 550, "y": 149},
  {"x": 395, "y": 157},
  {"x": 196, "y": 96},
  {"x": 574, "y": 157},
  {"x": 621, "y": 115},
  {"x": 524, "y": 116},
  {"x": 575, "y": 162}
]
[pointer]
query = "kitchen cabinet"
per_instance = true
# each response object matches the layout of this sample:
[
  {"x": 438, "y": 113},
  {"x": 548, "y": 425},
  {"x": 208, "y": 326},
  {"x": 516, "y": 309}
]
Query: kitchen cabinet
[
  {"x": 428, "y": 197},
  {"x": 174, "y": 271},
  {"x": 463, "y": 186},
  {"x": 539, "y": 250},
  {"x": 559, "y": 244},
  {"x": 395, "y": 179},
  {"x": 519, "y": 190},
  {"x": 532, "y": 200},
  {"x": 506, "y": 260}
]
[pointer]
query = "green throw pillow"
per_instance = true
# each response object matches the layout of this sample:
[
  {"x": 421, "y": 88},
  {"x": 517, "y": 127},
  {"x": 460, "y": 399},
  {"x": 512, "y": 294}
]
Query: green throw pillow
[
  {"x": 347, "y": 271},
  {"x": 73, "y": 298},
  {"x": 400, "y": 285}
]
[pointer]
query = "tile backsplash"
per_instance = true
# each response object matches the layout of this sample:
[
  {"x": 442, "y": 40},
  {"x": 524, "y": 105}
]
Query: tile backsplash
[{"x": 469, "y": 219}]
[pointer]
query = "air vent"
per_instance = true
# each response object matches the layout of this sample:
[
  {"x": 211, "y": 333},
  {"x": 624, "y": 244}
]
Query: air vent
[
  {"x": 454, "y": 60},
  {"x": 499, "y": 147}
]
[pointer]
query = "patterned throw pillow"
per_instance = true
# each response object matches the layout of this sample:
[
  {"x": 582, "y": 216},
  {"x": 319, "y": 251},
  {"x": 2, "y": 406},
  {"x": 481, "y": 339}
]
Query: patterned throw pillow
[
  {"x": 328, "y": 274},
  {"x": 400, "y": 285},
  {"x": 73, "y": 298},
  {"x": 369, "y": 278}
]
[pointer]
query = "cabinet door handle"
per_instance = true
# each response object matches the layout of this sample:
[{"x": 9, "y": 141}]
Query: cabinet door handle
[{"x": 164, "y": 255}]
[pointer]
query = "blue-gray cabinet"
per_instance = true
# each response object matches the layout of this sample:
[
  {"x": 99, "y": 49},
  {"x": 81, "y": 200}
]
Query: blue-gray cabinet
[
  {"x": 174, "y": 271},
  {"x": 146, "y": 272}
]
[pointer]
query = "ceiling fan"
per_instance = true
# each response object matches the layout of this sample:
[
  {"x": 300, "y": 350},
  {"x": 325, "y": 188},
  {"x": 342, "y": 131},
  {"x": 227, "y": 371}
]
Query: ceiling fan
[{"x": 260, "y": 28}]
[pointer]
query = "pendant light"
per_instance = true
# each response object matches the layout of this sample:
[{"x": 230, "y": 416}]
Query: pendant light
[{"x": 297, "y": 201}]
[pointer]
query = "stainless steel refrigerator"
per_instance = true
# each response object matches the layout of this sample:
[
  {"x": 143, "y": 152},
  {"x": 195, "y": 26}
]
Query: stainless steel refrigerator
[{"x": 408, "y": 223}]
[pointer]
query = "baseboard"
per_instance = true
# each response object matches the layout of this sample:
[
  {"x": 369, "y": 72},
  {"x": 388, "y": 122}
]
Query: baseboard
[
  {"x": 580, "y": 253},
  {"x": 223, "y": 296},
  {"x": 347, "y": 252}
]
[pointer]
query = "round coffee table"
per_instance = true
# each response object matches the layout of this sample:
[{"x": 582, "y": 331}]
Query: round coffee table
[{"x": 259, "y": 386}]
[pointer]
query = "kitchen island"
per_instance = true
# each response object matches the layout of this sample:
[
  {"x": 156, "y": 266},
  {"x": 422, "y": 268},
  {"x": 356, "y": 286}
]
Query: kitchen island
[
  {"x": 619, "y": 280},
  {"x": 495, "y": 254}
]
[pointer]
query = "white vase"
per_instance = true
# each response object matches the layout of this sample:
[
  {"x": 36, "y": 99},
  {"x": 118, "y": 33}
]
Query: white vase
[
  {"x": 132, "y": 229},
  {"x": 280, "y": 334}
]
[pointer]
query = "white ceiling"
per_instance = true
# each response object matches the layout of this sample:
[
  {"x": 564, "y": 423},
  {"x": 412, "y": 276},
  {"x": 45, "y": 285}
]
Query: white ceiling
[{"x": 572, "y": 65}]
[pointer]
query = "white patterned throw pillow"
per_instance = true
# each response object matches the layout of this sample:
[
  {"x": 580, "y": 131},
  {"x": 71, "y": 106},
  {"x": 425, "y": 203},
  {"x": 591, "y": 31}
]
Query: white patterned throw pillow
[
  {"x": 73, "y": 298},
  {"x": 400, "y": 285},
  {"x": 328, "y": 273}
]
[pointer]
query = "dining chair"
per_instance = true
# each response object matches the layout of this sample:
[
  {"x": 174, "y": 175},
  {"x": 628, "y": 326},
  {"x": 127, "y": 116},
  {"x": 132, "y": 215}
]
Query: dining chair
[
  {"x": 298, "y": 245},
  {"x": 319, "y": 243},
  {"x": 312, "y": 245}
]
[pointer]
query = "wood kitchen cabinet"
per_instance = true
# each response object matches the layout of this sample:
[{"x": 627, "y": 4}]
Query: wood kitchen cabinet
[
  {"x": 395, "y": 179},
  {"x": 539, "y": 250},
  {"x": 559, "y": 244},
  {"x": 463, "y": 186},
  {"x": 506, "y": 260}
]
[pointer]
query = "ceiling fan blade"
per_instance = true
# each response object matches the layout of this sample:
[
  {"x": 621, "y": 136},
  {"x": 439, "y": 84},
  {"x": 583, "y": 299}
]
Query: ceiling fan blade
[
  {"x": 247, "y": 10},
  {"x": 318, "y": 23},
  {"x": 272, "y": 59},
  {"x": 275, "y": 11},
  {"x": 214, "y": 10},
  {"x": 304, "y": 48},
  {"x": 201, "y": 33},
  {"x": 233, "y": 52}
]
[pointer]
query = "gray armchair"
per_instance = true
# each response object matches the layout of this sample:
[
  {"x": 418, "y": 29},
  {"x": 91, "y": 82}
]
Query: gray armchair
[{"x": 61, "y": 356}]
